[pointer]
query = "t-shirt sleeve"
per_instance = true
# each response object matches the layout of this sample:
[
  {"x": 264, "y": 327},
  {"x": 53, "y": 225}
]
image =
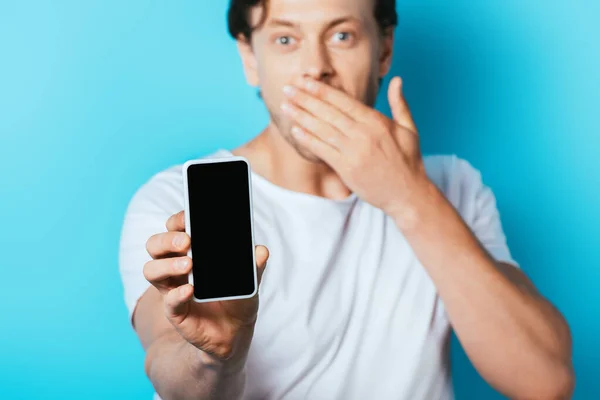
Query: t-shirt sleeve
[
  {"x": 146, "y": 215},
  {"x": 478, "y": 208}
]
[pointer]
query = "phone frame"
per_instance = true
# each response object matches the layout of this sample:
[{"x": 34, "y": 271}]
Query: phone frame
[{"x": 188, "y": 228}]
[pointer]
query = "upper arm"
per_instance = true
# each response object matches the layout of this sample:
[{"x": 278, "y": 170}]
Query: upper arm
[{"x": 483, "y": 217}]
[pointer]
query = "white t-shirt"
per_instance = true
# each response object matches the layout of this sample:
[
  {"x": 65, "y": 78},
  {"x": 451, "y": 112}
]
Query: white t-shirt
[{"x": 347, "y": 311}]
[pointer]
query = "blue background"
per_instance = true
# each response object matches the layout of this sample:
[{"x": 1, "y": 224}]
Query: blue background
[{"x": 96, "y": 96}]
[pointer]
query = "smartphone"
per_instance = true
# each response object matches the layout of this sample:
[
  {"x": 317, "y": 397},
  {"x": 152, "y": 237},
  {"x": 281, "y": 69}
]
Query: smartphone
[{"x": 219, "y": 221}]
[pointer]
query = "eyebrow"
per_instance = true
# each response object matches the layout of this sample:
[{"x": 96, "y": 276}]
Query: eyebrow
[{"x": 337, "y": 21}]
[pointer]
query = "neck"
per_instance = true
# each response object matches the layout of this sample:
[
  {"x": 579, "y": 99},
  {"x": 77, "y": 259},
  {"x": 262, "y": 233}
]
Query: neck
[{"x": 279, "y": 161}]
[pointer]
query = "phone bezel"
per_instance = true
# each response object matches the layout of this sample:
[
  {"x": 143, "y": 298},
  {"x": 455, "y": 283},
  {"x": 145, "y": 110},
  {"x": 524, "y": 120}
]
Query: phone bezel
[{"x": 185, "y": 168}]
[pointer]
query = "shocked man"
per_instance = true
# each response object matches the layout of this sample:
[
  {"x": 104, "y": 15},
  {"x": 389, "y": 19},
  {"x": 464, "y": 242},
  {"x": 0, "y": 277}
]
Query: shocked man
[{"x": 375, "y": 251}]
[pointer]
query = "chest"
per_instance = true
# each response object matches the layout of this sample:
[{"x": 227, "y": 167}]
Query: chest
[
  {"x": 342, "y": 304},
  {"x": 342, "y": 283}
]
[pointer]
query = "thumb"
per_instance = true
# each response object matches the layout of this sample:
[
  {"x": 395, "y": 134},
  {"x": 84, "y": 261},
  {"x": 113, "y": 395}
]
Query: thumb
[
  {"x": 177, "y": 303},
  {"x": 398, "y": 104},
  {"x": 262, "y": 255}
]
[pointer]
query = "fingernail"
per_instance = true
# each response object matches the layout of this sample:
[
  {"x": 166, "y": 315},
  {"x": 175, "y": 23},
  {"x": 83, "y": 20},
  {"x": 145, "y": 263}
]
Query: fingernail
[
  {"x": 297, "y": 131},
  {"x": 289, "y": 90},
  {"x": 286, "y": 107},
  {"x": 179, "y": 241},
  {"x": 182, "y": 291},
  {"x": 310, "y": 85},
  {"x": 181, "y": 264}
]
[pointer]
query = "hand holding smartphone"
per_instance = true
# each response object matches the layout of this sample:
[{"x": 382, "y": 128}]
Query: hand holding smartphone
[{"x": 225, "y": 264}]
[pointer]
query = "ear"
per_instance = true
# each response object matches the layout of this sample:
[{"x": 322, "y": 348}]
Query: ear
[
  {"x": 248, "y": 60},
  {"x": 386, "y": 51}
]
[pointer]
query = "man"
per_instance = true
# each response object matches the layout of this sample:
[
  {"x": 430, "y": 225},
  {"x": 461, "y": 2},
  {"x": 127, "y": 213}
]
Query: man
[{"x": 375, "y": 252}]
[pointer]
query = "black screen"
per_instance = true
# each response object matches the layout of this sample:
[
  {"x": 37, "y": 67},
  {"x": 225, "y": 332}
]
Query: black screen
[{"x": 220, "y": 229}]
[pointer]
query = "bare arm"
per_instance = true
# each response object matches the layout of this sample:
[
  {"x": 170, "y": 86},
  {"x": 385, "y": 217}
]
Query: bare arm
[
  {"x": 176, "y": 368},
  {"x": 517, "y": 341},
  {"x": 193, "y": 350}
]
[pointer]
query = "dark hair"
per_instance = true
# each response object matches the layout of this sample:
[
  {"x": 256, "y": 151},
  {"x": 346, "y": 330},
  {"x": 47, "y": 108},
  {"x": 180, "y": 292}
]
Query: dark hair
[{"x": 239, "y": 13}]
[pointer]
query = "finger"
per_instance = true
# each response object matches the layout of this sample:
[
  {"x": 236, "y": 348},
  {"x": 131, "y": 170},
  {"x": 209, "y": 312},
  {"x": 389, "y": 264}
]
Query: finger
[
  {"x": 177, "y": 303},
  {"x": 320, "y": 109},
  {"x": 399, "y": 106},
  {"x": 167, "y": 273},
  {"x": 168, "y": 243},
  {"x": 317, "y": 146},
  {"x": 318, "y": 127},
  {"x": 262, "y": 255},
  {"x": 176, "y": 222},
  {"x": 339, "y": 99}
]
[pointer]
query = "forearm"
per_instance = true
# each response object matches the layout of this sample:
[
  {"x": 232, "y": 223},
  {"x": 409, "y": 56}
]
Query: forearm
[
  {"x": 514, "y": 338},
  {"x": 178, "y": 370}
]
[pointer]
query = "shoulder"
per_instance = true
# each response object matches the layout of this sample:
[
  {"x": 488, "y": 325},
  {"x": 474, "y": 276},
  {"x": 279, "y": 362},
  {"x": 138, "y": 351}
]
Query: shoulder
[
  {"x": 463, "y": 186},
  {"x": 151, "y": 205},
  {"x": 459, "y": 181},
  {"x": 449, "y": 170},
  {"x": 162, "y": 191}
]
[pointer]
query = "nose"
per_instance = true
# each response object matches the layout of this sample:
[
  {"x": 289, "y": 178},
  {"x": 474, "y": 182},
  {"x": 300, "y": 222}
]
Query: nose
[{"x": 316, "y": 62}]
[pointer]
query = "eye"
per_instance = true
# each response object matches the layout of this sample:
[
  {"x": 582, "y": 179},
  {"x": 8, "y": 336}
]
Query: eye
[
  {"x": 284, "y": 40},
  {"x": 342, "y": 36}
]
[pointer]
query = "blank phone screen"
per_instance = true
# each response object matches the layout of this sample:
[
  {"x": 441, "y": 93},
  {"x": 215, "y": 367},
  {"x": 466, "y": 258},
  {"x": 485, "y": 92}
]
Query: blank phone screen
[{"x": 220, "y": 229}]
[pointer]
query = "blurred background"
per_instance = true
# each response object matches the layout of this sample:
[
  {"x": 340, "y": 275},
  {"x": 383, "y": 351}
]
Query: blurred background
[{"x": 97, "y": 96}]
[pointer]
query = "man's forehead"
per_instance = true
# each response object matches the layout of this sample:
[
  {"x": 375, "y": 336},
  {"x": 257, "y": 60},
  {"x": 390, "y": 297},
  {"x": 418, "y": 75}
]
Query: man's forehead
[{"x": 312, "y": 10}]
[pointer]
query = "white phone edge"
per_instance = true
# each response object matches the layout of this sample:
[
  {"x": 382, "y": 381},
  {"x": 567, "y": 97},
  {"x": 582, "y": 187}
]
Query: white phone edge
[{"x": 184, "y": 169}]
